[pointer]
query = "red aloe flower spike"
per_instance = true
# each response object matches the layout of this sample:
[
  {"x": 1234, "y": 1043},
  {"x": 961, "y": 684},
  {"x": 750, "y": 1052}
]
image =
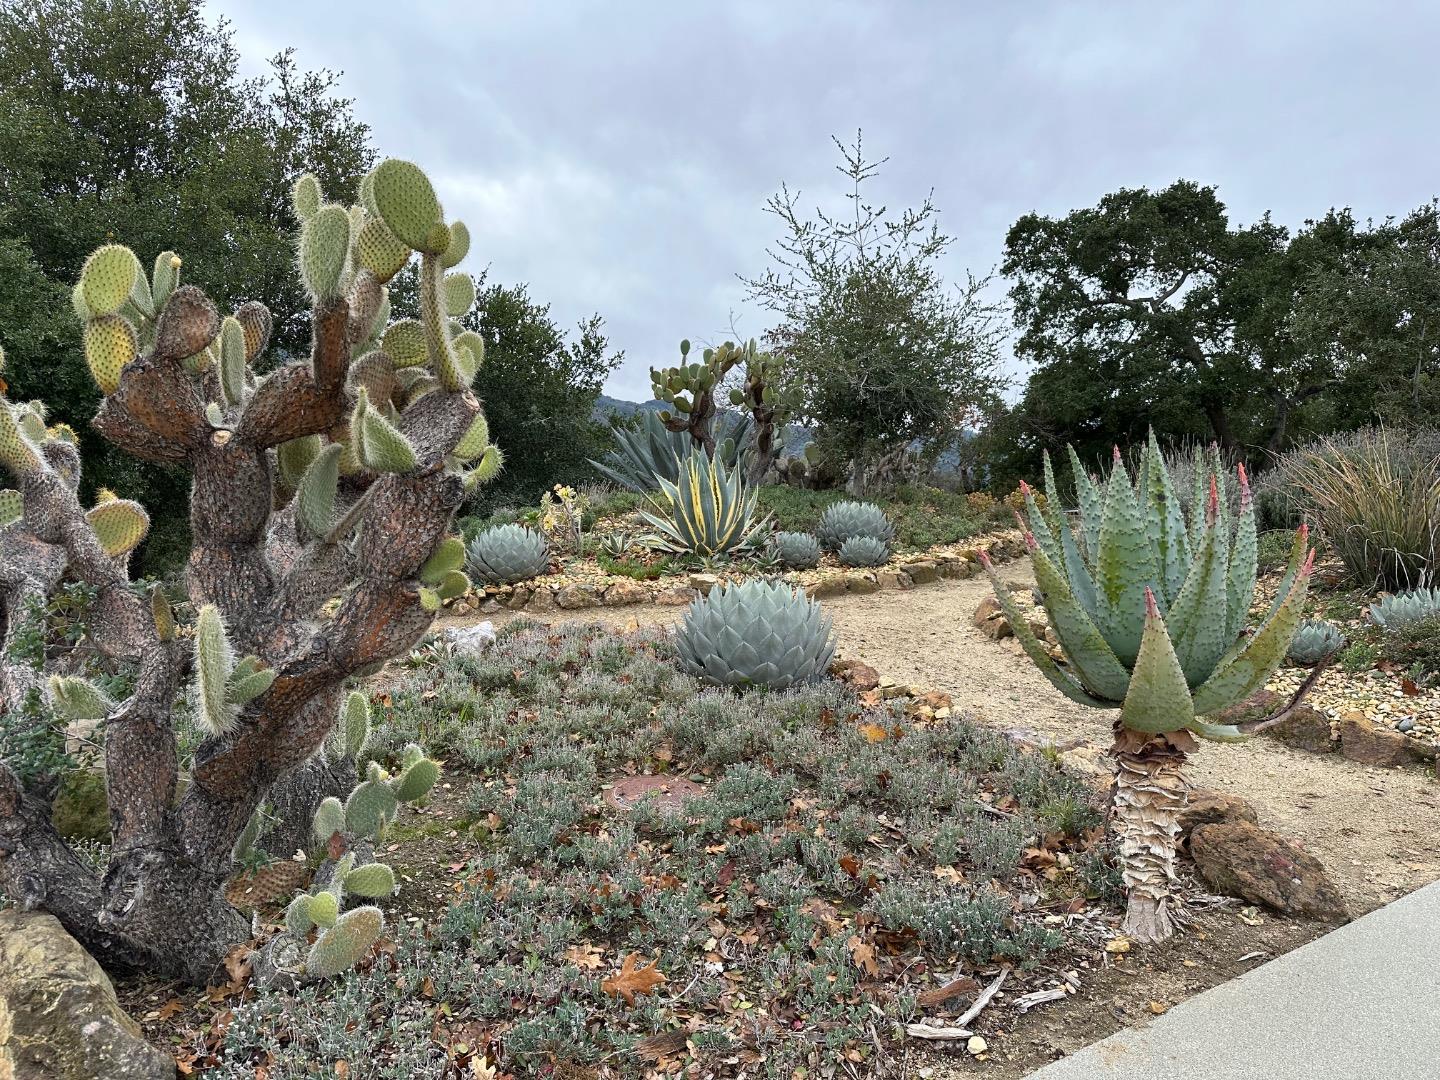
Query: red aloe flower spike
[
  {"x": 1309, "y": 564},
  {"x": 1305, "y": 532},
  {"x": 1019, "y": 521},
  {"x": 1116, "y": 451},
  {"x": 1024, "y": 488},
  {"x": 1244, "y": 486}
]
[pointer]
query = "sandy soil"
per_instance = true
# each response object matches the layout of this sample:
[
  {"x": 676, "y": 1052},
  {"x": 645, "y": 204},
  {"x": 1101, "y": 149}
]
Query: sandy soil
[{"x": 1372, "y": 828}]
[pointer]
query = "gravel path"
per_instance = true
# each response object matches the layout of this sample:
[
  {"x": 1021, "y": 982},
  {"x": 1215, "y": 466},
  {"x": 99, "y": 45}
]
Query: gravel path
[{"x": 1374, "y": 829}]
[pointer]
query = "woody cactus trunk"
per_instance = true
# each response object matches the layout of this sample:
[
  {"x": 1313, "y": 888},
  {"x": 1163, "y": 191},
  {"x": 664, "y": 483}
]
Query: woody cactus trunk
[
  {"x": 1151, "y": 612},
  {"x": 321, "y": 501}
]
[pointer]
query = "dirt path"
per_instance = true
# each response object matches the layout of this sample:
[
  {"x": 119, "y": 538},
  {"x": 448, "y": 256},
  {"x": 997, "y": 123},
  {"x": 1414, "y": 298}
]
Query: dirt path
[{"x": 1374, "y": 829}]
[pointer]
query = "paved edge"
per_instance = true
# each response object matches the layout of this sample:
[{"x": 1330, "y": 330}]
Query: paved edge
[{"x": 1359, "y": 1003}]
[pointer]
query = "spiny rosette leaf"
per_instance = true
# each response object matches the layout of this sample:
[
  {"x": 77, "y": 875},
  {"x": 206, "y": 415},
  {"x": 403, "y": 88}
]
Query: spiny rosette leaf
[
  {"x": 110, "y": 344},
  {"x": 343, "y": 945},
  {"x": 108, "y": 279},
  {"x": 406, "y": 202},
  {"x": 120, "y": 525},
  {"x": 214, "y": 663},
  {"x": 1158, "y": 701}
]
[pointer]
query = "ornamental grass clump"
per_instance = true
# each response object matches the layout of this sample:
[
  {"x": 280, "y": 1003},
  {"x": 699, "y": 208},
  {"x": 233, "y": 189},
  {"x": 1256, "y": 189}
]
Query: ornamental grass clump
[{"x": 1151, "y": 611}]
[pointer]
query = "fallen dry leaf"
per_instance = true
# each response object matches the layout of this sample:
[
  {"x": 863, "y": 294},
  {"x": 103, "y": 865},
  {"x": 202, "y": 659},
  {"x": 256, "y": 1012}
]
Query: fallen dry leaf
[
  {"x": 631, "y": 980},
  {"x": 874, "y": 732},
  {"x": 585, "y": 956}
]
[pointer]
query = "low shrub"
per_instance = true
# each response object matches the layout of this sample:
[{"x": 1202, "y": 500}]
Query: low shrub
[{"x": 923, "y": 516}]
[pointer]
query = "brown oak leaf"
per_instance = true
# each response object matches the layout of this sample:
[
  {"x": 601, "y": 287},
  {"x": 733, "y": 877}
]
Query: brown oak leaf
[{"x": 631, "y": 980}]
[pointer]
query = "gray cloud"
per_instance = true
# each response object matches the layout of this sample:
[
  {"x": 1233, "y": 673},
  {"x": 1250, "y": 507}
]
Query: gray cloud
[{"x": 617, "y": 156}]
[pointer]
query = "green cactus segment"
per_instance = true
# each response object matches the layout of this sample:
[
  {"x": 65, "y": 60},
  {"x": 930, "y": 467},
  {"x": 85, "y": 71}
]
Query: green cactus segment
[
  {"x": 407, "y": 204},
  {"x": 324, "y": 908},
  {"x": 345, "y": 944},
  {"x": 372, "y": 881},
  {"x": 214, "y": 664},
  {"x": 474, "y": 344},
  {"x": 459, "y": 293},
  {"x": 506, "y": 554},
  {"x": 232, "y": 361},
  {"x": 429, "y": 599},
  {"x": 12, "y": 507},
  {"x": 417, "y": 780},
  {"x": 120, "y": 525},
  {"x": 32, "y": 422},
  {"x": 17, "y": 453},
  {"x": 1158, "y": 701},
  {"x": 370, "y": 807},
  {"x": 448, "y": 555},
  {"x": 488, "y": 467},
  {"x": 476, "y": 438},
  {"x": 324, "y": 245},
  {"x": 459, "y": 245},
  {"x": 305, "y": 197},
  {"x": 294, "y": 458},
  {"x": 110, "y": 344},
  {"x": 329, "y": 819},
  {"x": 108, "y": 279},
  {"x": 162, "y": 613},
  {"x": 355, "y": 715},
  {"x": 450, "y": 367},
  {"x": 404, "y": 342},
  {"x": 165, "y": 279},
  {"x": 710, "y": 511},
  {"x": 380, "y": 446},
  {"x": 378, "y": 250},
  {"x": 297, "y": 916},
  {"x": 246, "y": 686},
  {"x": 315, "y": 497},
  {"x": 758, "y": 633},
  {"x": 74, "y": 698}
]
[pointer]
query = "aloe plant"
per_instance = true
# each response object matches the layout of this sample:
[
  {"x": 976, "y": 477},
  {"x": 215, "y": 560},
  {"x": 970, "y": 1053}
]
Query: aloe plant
[{"x": 1151, "y": 612}]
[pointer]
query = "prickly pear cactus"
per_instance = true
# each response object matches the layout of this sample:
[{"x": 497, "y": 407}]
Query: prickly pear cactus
[{"x": 688, "y": 391}]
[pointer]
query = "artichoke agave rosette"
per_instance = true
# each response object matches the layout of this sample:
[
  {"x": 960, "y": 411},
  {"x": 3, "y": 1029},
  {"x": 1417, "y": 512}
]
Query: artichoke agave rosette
[{"x": 1150, "y": 609}]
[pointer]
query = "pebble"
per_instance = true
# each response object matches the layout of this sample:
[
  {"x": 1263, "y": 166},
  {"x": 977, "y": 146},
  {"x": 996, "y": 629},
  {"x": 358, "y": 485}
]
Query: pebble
[
  {"x": 1406, "y": 724},
  {"x": 977, "y": 1045}
]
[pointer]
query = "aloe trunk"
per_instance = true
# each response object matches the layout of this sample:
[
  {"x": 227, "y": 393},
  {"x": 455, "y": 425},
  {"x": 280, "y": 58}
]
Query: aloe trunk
[{"x": 1149, "y": 797}]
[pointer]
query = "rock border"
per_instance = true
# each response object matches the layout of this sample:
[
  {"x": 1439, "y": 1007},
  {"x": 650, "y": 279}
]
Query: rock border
[{"x": 562, "y": 592}]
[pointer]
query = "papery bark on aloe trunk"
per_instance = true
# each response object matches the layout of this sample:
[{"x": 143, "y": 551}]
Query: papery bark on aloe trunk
[{"x": 1150, "y": 793}]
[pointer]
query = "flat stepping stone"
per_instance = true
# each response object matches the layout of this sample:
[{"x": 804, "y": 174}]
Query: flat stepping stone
[{"x": 668, "y": 792}]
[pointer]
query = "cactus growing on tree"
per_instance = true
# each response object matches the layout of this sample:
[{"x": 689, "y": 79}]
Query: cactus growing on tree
[
  {"x": 768, "y": 404},
  {"x": 1151, "y": 612},
  {"x": 320, "y": 511},
  {"x": 689, "y": 391}
]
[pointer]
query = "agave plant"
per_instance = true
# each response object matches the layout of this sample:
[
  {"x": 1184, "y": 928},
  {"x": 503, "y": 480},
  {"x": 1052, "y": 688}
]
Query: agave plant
[
  {"x": 1404, "y": 609},
  {"x": 506, "y": 554},
  {"x": 615, "y": 544},
  {"x": 796, "y": 550},
  {"x": 843, "y": 520},
  {"x": 864, "y": 551},
  {"x": 644, "y": 456},
  {"x": 708, "y": 511},
  {"x": 1151, "y": 611},
  {"x": 1315, "y": 642},
  {"x": 756, "y": 633}
]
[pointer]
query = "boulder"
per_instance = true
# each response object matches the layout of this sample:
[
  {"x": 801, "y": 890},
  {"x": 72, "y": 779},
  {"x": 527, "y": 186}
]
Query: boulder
[
  {"x": 59, "y": 1019},
  {"x": 471, "y": 640},
  {"x": 1369, "y": 743},
  {"x": 675, "y": 596},
  {"x": 1306, "y": 729},
  {"x": 519, "y": 598},
  {"x": 1238, "y": 858},
  {"x": 573, "y": 597},
  {"x": 861, "y": 583},
  {"x": 922, "y": 571},
  {"x": 542, "y": 600},
  {"x": 829, "y": 585},
  {"x": 626, "y": 592},
  {"x": 990, "y": 620},
  {"x": 895, "y": 579},
  {"x": 859, "y": 675},
  {"x": 1206, "y": 807}
]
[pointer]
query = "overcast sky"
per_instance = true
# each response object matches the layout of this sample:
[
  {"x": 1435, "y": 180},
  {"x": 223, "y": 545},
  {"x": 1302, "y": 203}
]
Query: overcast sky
[{"x": 617, "y": 156}]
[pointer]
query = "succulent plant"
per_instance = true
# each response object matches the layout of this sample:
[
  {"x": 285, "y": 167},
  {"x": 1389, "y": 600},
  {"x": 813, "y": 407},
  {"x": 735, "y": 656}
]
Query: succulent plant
[
  {"x": 797, "y": 550},
  {"x": 864, "y": 551},
  {"x": 1150, "y": 610},
  {"x": 709, "y": 510},
  {"x": 689, "y": 391},
  {"x": 616, "y": 544},
  {"x": 756, "y": 633},
  {"x": 506, "y": 554},
  {"x": 651, "y": 452},
  {"x": 1399, "y": 610},
  {"x": 842, "y": 520},
  {"x": 1314, "y": 641}
]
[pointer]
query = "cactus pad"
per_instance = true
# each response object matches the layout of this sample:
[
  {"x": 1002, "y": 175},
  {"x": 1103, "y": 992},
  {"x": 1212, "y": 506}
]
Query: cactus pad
[
  {"x": 329, "y": 819},
  {"x": 356, "y": 716},
  {"x": 297, "y": 916},
  {"x": 110, "y": 344},
  {"x": 378, "y": 250},
  {"x": 294, "y": 457},
  {"x": 459, "y": 290},
  {"x": 165, "y": 277},
  {"x": 324, "y": 908},
  {"x": 17, "y": 452},
  {"x": 458, "y": 247},
  {"x": 119, "y": 524},
  {"x": 404, "y": 342},
  {"x": 382, "y": 447},
  {"x": 305, "y": 197},
  {"x": 407, "y": 204},
  {"x": 108, "y": 279},
  {"x": 372, "y": 881},
  {"x": 255, "y": 319},
  {"x": 324, "y": 244},
  {"x": 213, "y": 665},
  {"x": 12, "y": 507},
  {"x": 75, "y": 698},
  {"x": 232, "y": 360},
  {"x": 448, "y": 555},
  {"x": 343, "y": 945},
  {"x": 315, "y": 498},
  {"x": 369, "y": 808},
  {"x": 476, "y": 438}
]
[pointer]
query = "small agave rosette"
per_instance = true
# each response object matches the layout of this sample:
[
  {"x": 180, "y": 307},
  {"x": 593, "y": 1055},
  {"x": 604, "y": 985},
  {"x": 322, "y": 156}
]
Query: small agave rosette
[{"x": 756, "y": 633}]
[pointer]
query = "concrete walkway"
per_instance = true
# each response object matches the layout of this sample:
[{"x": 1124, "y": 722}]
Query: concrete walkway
[{"x": 1361, "y": 1003}]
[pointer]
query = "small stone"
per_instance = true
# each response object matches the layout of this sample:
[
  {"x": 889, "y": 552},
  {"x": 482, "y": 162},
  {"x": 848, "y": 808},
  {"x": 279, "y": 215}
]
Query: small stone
[
  {"x": 519, "y": 598},
  {"x": 626, "y": 592},
  {"x": 895, "y": 579},
  {"x": 861, "y": 583},
  {"x": 675, "y": 596},
  {"x": 703, "y": 583},
  {"x": 990, "y": 620},
  {"x": 1117, "y": 946},
  {"x": 976, "y": 1045},
  {"x": 573, "y": 597},
  {"x": 1406, "y": 724},
  {"x": 922, "y": 571},
  {"x": 861, "y": 676},
  {"x": 829, "y": 585},
  {"x": 542, "y": 600}
]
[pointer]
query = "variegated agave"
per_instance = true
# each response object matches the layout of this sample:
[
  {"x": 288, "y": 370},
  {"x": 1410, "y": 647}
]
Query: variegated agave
[
  {"x": 1151, "y": 613},
  {"x": 710, "y": 510}
]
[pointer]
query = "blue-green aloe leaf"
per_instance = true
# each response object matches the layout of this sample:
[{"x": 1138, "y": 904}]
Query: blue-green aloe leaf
[
  {"x": 1039, "y": 525},
  {"x": 1197, "y": 620},
  {"x": 1085, "y": 647},
  {"x": 1240, "y": 582},
  {"x": 1167, "y": 524},
  {"x": 1159, "y": 698},
  {"x": 1124, "y": 568},
  {"x": 1091, "y": 507}
]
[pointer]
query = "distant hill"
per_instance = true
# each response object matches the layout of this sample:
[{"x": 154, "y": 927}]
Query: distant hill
[{"x": 606, "y": 406}]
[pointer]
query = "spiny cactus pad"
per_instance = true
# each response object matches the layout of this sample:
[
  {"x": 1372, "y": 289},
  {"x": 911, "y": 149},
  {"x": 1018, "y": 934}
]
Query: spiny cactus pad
[
  {"x": 344, "y": 944},
  {"x": 378, "y": 250},
  {"x": 355, "y": 714},
  {"x": 17, "y": 452},
  {"x": 119, "y": 524},
  {"x": 165, "y": 278},
  {"x": 108, "y": 279},
  {"x": 404, "y": 342},
  {"x": 110, "y": 344},
  {"x": 329, "y": 819},
  {"x": 372, "y": 881},
  {"x": 12, "y": 506},
  {"x": 448, "y": 555},
  {"x": 407, "y": 204},
  {"x": 324, "y": 243},
  {"x": 315, "y": 498},
  {"x": 474, "y": 441},
  {"x": 458, "y": 247},
  {"x": 213, "y": 664},
  {"x": 459, "y": 292},
  {"x": 417, "y": 780},
  {"x": 75, "y": 698},
  {"x": 305, "y": 197}
]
